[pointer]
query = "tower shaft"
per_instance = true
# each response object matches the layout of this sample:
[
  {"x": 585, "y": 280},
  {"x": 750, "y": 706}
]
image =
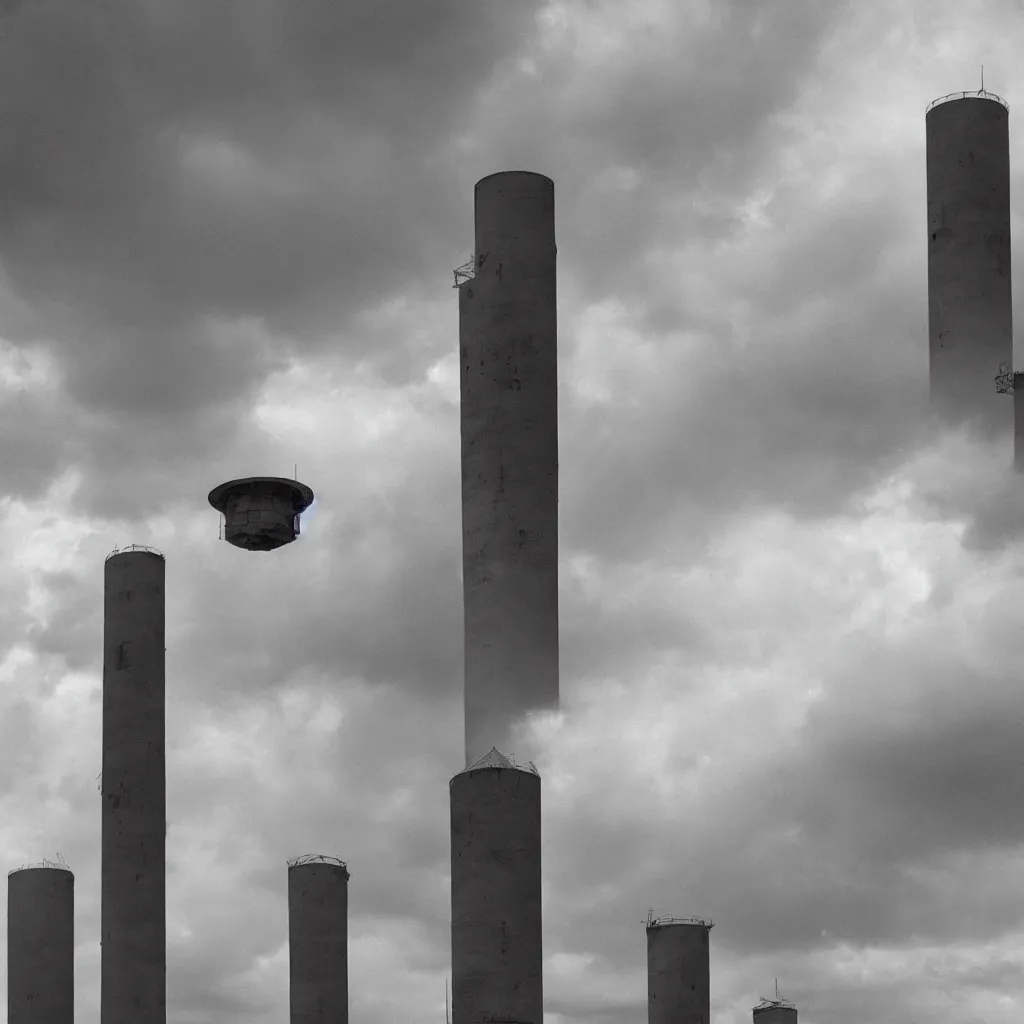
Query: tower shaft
[
  {"x": 970, "y": 321},
  {"x": 678, "y": 974},
  {"x": 133, "y": 955},
  {"x": 508, "y": 350},
  {"x": 497, "y": 941},
  {"x": 41, "y": 946},
  {"x": 318, "y": 943}
]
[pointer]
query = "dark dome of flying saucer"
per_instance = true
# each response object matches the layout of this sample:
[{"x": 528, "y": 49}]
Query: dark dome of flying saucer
[{"x": 261, "y": 513}]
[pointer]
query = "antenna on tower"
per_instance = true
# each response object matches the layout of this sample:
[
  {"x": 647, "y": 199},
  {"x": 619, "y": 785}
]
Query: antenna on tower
[
  {"x": 297, "y": 465},
  {"x": 776, "y": 989}
]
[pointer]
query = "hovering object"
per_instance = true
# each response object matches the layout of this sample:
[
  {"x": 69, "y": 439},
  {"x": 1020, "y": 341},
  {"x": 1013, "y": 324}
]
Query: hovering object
[{"x": 261, "y": 512}]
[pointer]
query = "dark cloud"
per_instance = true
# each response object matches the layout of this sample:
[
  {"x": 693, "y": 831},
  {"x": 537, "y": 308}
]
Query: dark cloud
[{"x": 171, "y": 162}]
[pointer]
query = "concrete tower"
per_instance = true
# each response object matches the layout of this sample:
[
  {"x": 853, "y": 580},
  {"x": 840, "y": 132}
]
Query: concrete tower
[
  {"x": 970, "y": 325},
  {"x": 497, "y": 947},
  {"x": 41, "y": 945},
  {"x": 133, "y": 955},
  {"x": 508, "y": 349},
  {"x": 678, "y": 971},
  {"x": 774, "y": 1011},
  {"x": 318, "y": 940}
]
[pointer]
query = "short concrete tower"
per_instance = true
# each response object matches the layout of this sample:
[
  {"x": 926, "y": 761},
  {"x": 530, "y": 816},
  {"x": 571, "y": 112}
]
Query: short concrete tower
[
  {"x": 318, "y": 940},
  {"x": 774, "y": 1011},
  {"x": 133, "y": 954},
  {"x": 497, "y": 942},
  {"x": 509, "y": 366},
  {"x": 970, "y": 319},
  {"x": 41, "y": 945},
  {"x": 678, "y": 971}
]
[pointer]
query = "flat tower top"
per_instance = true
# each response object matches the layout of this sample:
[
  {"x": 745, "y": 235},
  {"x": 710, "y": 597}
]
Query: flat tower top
[
  {"x": 664, "y": 922},
  {"x": 495, "y": 174},
  {"x": 134, "y": 547},
  {"x": 979, "y": 94}
]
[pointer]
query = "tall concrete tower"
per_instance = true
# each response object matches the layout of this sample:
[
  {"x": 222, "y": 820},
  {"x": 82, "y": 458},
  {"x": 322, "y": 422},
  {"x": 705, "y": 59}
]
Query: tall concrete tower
[
  {"x": 318, "y": 940},
  {"x": 41, "y": 945},
  {"x": 970, "y": 323},
  {"x": 133, "y": 955},
  {"x": 497, "y": 942},
  {"x": 509, "y": 377},
  {"x": 774, "y": 1011},
  {"x": 678, "y": 971}
]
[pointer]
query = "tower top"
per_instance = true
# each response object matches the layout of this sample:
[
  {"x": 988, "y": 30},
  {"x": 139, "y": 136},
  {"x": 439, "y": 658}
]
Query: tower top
[
  {"x": 661, "y": 922},
  {"x": 316, "y": 858},
  {"x": 981, "y": 94},
  {"x": 134, "y": 547},
  {"x": 494, "y": 758}
]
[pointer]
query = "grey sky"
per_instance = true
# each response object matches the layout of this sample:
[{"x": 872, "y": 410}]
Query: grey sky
[{"x": 789, "y": 606}]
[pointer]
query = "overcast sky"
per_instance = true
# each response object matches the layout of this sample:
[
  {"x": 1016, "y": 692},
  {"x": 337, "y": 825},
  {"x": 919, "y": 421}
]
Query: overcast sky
[{"x": 790, "y": 610}]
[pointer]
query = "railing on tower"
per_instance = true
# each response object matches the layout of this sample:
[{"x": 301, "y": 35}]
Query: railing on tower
[
  {"x": 465, "y": 272},
  {"x": 1004, "y": 379},
  {"x": 977, "y": 94}
]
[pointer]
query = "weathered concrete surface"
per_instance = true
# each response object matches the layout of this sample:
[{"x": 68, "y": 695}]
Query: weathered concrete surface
[
  {"x": 133, "y": 955},
  {"x": 508, "y": 347},
  {"x": 775, "y": 1015},
  {"x": 497, "y": 942},
  {"x": 1018, "y": 421},
  {"x": 318, "y": 943},
  {"x": 41, "y": 946},
  {"x": 678, "y": 974},
  {"x": 970, "y": 319}
]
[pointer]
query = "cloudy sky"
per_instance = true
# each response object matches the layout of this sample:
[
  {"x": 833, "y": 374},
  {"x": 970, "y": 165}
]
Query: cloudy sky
[{"x": 790, "y": 608}]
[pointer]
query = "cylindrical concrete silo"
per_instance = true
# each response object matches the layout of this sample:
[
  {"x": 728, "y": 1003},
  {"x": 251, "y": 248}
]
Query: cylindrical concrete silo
[
  {"x": 508, "y": 359},
  {"x": 133, "y": 954},
  {"x": 970, "y": 319},
  {"x": 774, "y": 1011},
  {"x": 318, "y": 940},
  {"x": 497, "y": 943},
  {"x": 678, "y": 971},
  {"x": 41, "y": 945}
]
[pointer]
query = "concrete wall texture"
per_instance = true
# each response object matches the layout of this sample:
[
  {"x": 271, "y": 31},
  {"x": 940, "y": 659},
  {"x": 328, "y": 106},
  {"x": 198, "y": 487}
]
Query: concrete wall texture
[
  {"x": 133, "y": 955},
  {"x": 497, "y": 945},
  {"x": 970, "y": 323},
  {"x": 41, "y": 946},
  {"x": 678, "y": 974},
  {"x": 318, "y": 943},
  {"x": 775, "y": 1015},
  {"x": 508, "y": 349},
  {"x": 1018, "y": 422}
]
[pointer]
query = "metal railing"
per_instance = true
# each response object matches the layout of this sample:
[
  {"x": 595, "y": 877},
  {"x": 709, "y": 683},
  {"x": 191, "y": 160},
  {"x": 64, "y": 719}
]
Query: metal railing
[
  {"x": 135, "y": 547},
  {"x": 1005, "y": 379},
  {"x": 977, "y": 94},
  {"x": 657, "y": 922},
  {"x": 316, "y": 858},
  {"x": 59, "y": 863},
  {"x": 494, "y": 758},
  {"x": 465, "y": 272}
]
